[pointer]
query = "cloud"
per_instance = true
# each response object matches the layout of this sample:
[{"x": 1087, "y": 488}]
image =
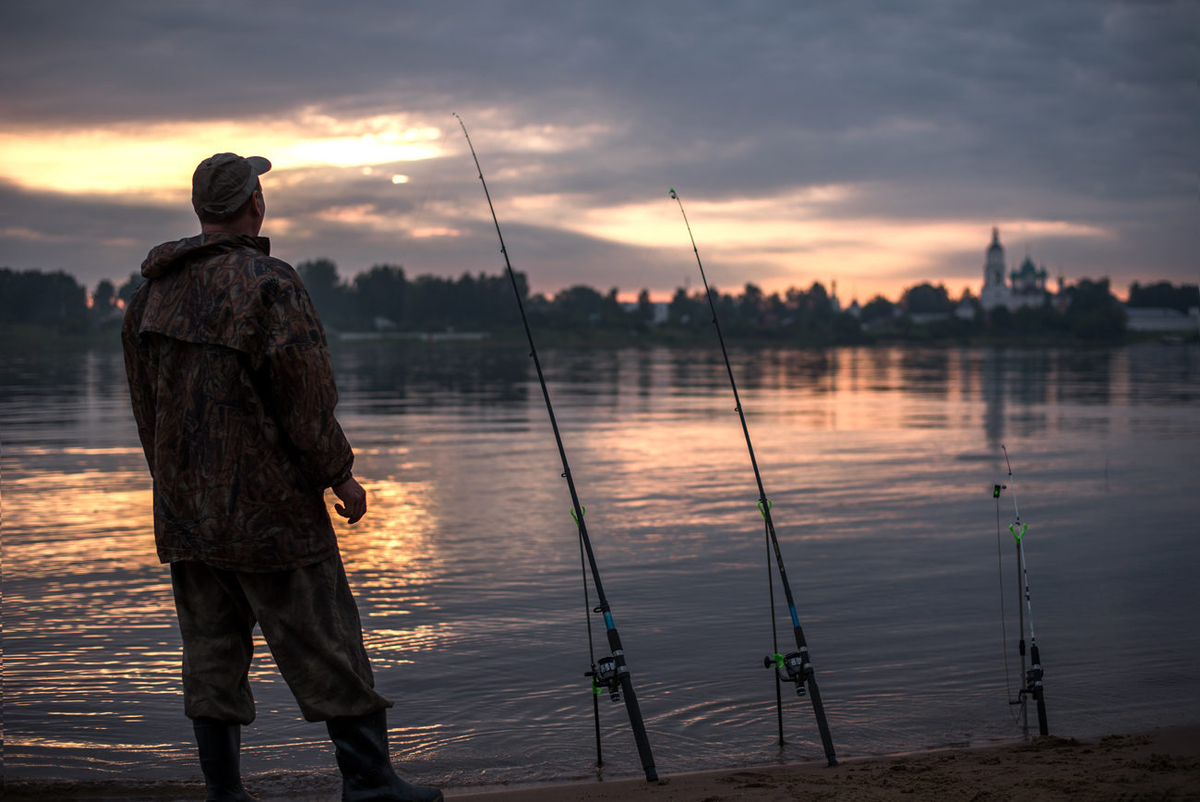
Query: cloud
[
  {"x": 936, "y": 119},
  {"x": 91, "y": 237}
]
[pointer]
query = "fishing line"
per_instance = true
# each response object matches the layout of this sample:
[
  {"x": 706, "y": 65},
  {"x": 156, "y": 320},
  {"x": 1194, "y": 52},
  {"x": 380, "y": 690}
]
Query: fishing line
[
  {"x": 611, "y": 671},
  {"x": 774, "y": 633},
  {"x": 596, "y": 687},
  {"x": 996, "y": 489},
  {"x": 795, "y": 667}
]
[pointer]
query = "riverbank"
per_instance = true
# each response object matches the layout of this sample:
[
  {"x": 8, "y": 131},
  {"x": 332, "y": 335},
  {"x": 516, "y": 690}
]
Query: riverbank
[
  {"x": 1162, "y": 764},
  {"x": 28, "y": 336}
]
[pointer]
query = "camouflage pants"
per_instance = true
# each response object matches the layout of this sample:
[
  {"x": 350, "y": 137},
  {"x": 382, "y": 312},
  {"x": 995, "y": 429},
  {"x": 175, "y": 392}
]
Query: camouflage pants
[{"x": 308, "y": 619}]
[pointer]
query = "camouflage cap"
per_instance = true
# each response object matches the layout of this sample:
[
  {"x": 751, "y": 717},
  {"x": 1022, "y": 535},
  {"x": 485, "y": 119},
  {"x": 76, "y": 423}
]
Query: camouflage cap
[{"x": 223, "y": 182}]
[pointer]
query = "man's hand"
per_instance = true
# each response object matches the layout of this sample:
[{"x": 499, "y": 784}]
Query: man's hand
[{"x": 354, "y": 497}]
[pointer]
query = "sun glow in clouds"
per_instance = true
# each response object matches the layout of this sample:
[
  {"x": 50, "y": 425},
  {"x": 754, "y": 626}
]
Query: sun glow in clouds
[
  {"x": 791, "y": 239},
  {"x": 424, "y": 233},
  {"x": 156, "y": 161},
  {"x": 368, "y": 217},
  {"x": 781, "y": 240}
]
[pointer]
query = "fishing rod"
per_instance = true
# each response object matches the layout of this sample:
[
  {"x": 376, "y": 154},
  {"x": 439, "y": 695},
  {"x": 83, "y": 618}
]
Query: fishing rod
[
  {"x": 1033, "y": 674},
  {"x": 611, "y": 671},
  {"x": 795, "y": 667}
]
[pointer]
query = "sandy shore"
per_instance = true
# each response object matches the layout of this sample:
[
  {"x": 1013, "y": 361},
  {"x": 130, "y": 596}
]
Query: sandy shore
[{"x": 1159, "y": 765}]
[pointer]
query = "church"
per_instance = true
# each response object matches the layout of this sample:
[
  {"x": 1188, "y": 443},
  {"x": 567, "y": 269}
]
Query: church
[{"x": 1025, "y": 286}]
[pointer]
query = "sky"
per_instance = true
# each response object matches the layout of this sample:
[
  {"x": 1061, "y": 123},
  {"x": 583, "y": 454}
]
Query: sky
[{"x": 873, "y": 143}]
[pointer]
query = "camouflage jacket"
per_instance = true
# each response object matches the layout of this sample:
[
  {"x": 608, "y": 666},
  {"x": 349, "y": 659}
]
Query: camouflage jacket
[{"x": 233, "y": 393}]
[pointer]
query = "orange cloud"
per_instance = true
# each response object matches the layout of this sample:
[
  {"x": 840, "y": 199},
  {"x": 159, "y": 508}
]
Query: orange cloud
[{"x": 156, "y": 161}]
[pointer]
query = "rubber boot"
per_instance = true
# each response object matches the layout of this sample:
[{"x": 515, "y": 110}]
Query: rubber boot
[
  {"x": 218, "y": 743},
  {"x": 362, "y": 755}
]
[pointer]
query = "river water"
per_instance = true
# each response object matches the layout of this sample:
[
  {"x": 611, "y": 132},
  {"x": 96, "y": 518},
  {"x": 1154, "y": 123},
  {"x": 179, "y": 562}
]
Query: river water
[{"x": 880, "y": 465}]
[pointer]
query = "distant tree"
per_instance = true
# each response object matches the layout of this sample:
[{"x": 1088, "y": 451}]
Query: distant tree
[
  {"x": 1087, "y": 295},
  {"x": 1000, "y": 320},
  {"x": 320, "y": 279},
  {"x": 125, "y": 291},
  {"x": 612, "y": 313},
  {"x": 968, "y": 300},
  {"x": 878, "y": 308},
  {"x": 1093, "y": 312},
  {"x": 1164, "y": 295},
  {"x": 1098, "y": 324},
  {"x": 926, "y": 299},
  {"x": 578, "y": 307},
  {"x": 522, "y": 281},
  {"x": 498, "y": 309},
  {"x": 751, "y": 306},
  {"x": 775, "y": 311},
  {"x": 51, "y": 299},
  {"x": 105, "y": 296},
  {"x": 481, "y": 302},
  {"x": 804, "y": 315},
  {"x": 727, "y": 311},
  {"x": 683, "y": 310},
  {"x": 472, "y": 302},
  {"x": 1039, "y": 320},
  {"x": 643, "y": 316},
  {"x": 469, "y": 303},
  {"x": 813, "y": 304},
  {"x": 104, "y": 304},
  {"x": 379, "y": 294},
  {"x": 430, "y": 304}
]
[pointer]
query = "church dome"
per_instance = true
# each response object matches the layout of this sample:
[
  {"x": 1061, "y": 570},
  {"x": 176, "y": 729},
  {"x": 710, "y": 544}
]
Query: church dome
[{"x": 995, "y": 246}]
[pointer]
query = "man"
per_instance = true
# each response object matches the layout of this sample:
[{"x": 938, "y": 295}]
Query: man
[{"x": 233, "y": 393}]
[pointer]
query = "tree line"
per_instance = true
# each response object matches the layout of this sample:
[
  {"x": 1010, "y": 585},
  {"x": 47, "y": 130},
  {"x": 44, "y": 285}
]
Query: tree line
[{"x": 384, "y": 298}]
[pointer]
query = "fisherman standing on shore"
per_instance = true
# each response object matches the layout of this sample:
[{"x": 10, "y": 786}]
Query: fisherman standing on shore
[{"x": 233, "y": 393}]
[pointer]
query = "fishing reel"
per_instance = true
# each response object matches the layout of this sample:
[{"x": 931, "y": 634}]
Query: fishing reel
[
  {"x": 1033, "y": 679},
  {"x": 790, "y": 667},
  {"x": 607, "y": 676}
]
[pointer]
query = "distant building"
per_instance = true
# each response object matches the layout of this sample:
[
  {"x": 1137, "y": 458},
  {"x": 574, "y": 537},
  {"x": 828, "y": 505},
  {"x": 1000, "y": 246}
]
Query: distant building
[
  {"x": 1140, "y": 318},
  {"x": 1026, "y": 286},
  {"x": 925, "y": 318},
  {"x": 660, "y": 310},
  {"x": 995, "y": 291}
]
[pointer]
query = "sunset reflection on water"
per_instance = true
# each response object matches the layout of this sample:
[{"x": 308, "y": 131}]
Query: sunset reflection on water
[
  {"x": 74, "y": 522},
  {"x": 466, "y": 568}
]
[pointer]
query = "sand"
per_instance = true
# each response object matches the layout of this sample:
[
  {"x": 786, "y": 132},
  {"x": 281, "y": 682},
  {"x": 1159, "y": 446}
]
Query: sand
[{"x": 1159, "y": 765}]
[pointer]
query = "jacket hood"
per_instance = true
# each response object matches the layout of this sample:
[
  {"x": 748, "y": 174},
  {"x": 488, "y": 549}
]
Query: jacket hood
[{"x": 171, "y": 255}]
